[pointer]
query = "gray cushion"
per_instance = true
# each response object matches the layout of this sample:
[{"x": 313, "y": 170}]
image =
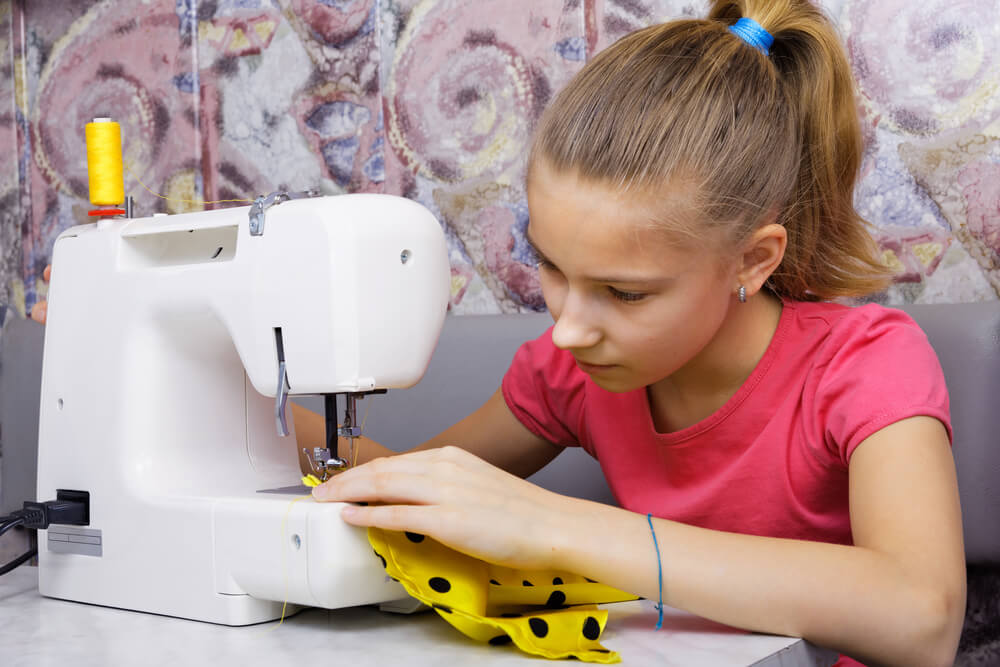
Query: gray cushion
[
  {"x": 966, "y": 337},
  {"x": 20, "y": 392}
]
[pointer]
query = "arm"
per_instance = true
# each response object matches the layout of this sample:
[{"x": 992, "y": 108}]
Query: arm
[
  {"x": 492, "y": 433},
  {"x": 896, "y": 597}
]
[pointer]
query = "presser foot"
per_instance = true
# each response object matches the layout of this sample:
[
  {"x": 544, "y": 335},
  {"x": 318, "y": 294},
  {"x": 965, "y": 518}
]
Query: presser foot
[{"x": 322, "y": 464}]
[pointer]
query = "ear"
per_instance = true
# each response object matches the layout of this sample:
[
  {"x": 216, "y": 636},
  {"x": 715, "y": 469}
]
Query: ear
[{"x": 761, "y": 255}]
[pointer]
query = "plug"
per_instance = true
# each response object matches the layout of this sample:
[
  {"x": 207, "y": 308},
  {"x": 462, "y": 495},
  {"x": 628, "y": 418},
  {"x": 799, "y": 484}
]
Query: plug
[{"x": 70, "y": 508}]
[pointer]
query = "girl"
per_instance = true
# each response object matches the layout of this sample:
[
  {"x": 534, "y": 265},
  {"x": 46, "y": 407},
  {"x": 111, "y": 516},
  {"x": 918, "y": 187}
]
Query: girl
[{"x": 691, "y": 205}]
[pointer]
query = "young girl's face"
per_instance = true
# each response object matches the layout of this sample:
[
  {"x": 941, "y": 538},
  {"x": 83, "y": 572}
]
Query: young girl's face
[{"x": 632, "y": 307}]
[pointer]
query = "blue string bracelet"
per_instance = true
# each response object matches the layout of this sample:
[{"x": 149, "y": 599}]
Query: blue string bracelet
[{"x": 659, "y": 571}]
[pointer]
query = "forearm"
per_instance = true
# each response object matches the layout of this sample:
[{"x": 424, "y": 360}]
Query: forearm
[{"x": 856, "y": 600}]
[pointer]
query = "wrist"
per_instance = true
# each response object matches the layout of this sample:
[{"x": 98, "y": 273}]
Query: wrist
[{"x": 583, "y": 529}]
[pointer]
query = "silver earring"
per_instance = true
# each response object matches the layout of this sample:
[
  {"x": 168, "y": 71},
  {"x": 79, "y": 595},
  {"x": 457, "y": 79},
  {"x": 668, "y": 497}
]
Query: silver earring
[{"x": 741, "y": 294}]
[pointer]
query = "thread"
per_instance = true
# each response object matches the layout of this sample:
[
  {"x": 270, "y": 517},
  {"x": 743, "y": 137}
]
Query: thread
[
  {"x": 104, "y": 162},
  {"x": 284, "y": 560},
  {"x": 182, "y": 201}
]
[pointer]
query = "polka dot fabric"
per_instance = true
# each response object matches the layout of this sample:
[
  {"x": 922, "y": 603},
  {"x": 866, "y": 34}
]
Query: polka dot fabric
[{"x": 549, "y": 614}]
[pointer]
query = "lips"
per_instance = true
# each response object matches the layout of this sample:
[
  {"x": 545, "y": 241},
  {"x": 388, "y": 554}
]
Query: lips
[{"x": 590, "y": 369}]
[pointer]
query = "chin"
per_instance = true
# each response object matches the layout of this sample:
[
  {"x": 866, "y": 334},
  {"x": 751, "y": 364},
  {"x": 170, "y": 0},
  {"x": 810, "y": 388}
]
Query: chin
[{"x": 615, "y": 385}]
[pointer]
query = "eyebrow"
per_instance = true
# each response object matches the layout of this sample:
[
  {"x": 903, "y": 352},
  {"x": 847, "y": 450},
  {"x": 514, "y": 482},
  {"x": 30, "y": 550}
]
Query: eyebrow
[{"x": 631, "y": 280}]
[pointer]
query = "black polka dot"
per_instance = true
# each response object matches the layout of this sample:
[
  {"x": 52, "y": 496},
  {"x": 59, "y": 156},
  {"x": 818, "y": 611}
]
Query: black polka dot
[
  {"x": 526, "y": 583},
  {"x": 539, "y": 627},
  {"x": 414, "y": 537},
  {"x": 591, "y": 628},
  {"x": 381, "y": 559},
  {"x": 600, "y": 650},
  {"x": 510, "y": 614},
  {"x": 494, "y": 582},
  {"x": 500, "y": 640},
  {"x": 440, "y": 584},
  {"x": 556, "y": 600},
  {"x": 590, "y": 580},
  {"x": 557, "y": 581},
  {"x": 443, "y": 608}
]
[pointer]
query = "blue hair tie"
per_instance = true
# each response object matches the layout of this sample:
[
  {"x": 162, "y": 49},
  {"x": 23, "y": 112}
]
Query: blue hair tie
[{"x": 753, "y": 34}]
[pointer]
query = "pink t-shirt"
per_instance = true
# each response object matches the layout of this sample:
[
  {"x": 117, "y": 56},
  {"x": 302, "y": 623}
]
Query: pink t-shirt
[{"x": 773, "y": 460}]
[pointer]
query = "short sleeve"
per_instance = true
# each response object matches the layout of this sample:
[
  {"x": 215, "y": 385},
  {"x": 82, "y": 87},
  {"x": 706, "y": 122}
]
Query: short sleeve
[
  {"x": 544, "y": 389},
  {"x": 879, "y": 368}
]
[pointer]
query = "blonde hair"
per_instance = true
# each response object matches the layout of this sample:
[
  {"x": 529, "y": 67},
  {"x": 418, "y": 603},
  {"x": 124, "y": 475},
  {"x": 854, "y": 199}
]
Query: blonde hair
[{"x": 757, "y": 137}]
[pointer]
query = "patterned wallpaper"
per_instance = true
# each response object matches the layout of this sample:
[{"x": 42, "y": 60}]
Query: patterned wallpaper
[{"x": 435, "y": 100}]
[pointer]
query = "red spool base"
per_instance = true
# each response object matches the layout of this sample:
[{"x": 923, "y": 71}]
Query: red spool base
[{"x": 99, "y": 212}]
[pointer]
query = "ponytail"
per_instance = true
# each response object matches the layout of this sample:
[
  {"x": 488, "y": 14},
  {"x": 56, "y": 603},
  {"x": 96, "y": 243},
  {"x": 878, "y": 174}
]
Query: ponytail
[{"x": 830, "y": 249}]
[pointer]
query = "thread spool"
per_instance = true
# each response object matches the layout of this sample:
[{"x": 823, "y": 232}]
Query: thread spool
[{"x": 104, "y": 162}]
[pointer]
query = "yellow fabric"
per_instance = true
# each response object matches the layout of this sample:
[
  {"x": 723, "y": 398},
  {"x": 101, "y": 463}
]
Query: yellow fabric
[{"x": 550, "y": 614}]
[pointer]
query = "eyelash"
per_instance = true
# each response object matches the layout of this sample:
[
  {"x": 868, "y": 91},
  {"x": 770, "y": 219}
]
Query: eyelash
[
  {"x": 626, "y": 297},
  {"x": 619, "y": 295}
]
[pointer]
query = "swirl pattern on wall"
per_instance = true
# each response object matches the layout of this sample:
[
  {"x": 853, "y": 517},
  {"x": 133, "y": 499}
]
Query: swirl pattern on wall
[
  {"x": 435, "y": 100},
  {"x": 462, "y": 96},
  {"x": 926, "y": 67}
]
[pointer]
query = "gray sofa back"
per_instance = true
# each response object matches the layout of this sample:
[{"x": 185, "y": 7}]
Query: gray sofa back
[
  {"x": 474, "y": 352},
  {"x": 966, "y": 337}
]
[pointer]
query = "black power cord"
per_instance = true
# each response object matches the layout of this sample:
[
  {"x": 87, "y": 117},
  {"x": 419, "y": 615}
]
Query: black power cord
[
  {"x": 9, "y": 523},
  {"x": 20, "y": 560},
  {"x": 70, "y": 508}
]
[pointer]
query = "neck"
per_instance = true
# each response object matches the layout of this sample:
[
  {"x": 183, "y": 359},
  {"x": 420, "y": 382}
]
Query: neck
[{"x": 715, "y": 374}]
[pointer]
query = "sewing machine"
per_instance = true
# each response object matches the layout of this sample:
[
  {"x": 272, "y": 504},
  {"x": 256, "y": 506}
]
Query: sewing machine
[{"x": 172, "y": 346}]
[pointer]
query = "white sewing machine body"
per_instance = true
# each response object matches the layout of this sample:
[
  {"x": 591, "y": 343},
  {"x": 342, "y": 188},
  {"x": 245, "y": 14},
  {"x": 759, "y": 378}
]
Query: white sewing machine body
[{"x": 161, "y": 367}]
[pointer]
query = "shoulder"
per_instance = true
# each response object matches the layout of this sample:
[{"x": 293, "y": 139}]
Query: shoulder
[
  {"x": 545, "y": 390},
  {"x": 843, "y": 318},
  {"x": 870, "y": 332},
  {"x": 870, "y": 366}
]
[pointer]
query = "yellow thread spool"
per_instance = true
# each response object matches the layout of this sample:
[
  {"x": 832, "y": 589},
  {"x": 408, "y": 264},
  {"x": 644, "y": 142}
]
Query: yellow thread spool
[{"x": 104, "y": 162}]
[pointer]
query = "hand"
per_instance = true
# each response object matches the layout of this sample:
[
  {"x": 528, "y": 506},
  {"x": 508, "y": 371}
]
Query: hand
[
  {"x": 40, "y": 311},
  {"x": 461, "y": 501}
]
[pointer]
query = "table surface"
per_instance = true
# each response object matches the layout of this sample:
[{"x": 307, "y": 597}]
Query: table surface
[{"x": 35, "y": 630}]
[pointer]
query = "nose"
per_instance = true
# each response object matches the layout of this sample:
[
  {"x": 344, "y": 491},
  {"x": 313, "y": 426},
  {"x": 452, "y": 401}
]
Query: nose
[{"x": 575, "y": 327}]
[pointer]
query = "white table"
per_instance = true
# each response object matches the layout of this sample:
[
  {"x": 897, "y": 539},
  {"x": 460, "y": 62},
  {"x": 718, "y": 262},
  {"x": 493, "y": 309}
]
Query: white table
[{"x": 37, "y": 631}]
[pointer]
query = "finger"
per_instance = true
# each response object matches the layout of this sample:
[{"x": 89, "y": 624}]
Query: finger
[
  {"x": 40, "y": 311},
  {"x": 434, "y": 522},
  {"x": 386, "y": 487},
  {"x": 440, "y": 460},
  {"x": 417, "y": 463},
  {"x": 47, "y": 273},
  {"x": 412, "y": 518}
]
